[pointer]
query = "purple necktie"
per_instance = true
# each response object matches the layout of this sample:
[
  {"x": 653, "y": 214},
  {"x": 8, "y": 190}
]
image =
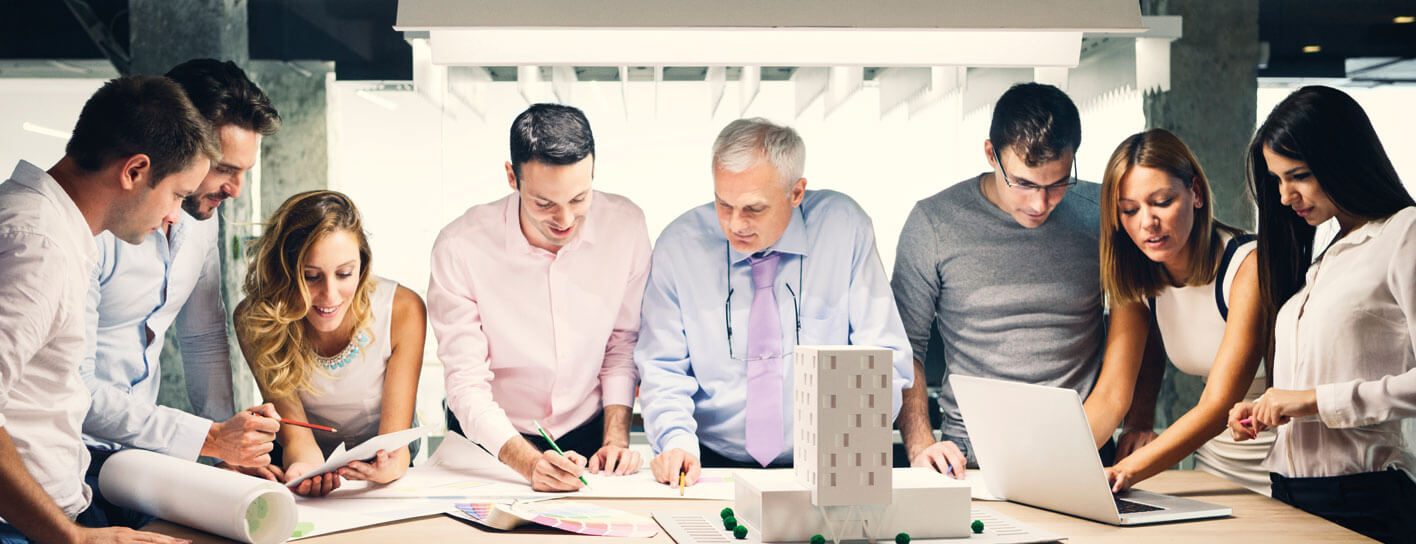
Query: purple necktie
[{"x": 764, "y": 366}]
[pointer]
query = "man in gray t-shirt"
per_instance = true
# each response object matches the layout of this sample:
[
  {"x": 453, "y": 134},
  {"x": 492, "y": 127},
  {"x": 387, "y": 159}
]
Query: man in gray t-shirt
[{"x": 1003, "y": 267}]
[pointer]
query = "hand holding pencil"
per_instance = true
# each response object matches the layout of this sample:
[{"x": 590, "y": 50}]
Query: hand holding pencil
[{"x": 245, "y": 439}]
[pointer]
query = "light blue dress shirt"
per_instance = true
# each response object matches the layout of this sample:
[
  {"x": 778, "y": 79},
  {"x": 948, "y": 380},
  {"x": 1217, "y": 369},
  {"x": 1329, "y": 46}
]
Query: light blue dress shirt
[
  {"x": 136, "y": 293},
  {"x": 691, "y": 390}
]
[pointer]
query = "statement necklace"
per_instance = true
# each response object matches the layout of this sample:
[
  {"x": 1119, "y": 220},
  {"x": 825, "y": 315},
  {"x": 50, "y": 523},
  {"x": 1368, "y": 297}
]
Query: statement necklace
[{"x": 346, "y": 356}]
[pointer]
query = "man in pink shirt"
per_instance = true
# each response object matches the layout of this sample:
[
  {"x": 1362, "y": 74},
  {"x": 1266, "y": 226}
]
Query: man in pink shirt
[{"x": 534, "y": 299}]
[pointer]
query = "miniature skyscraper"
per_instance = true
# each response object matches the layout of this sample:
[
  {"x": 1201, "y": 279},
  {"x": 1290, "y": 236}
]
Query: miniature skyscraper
[{"x": 842, "y": 424}]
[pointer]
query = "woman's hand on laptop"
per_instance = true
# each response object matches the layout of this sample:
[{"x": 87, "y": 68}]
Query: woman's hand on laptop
[
  {"x": 1118, "y": 478},
  {"x": 942, "y": 456}
]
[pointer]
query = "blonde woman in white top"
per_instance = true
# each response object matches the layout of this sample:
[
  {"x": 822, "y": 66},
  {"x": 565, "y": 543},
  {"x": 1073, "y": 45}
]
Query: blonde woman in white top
[
  {"x": 328, "y": 342},
  {"x": 1344, "y": 382},
  {"x": 1161, "y": 247}
]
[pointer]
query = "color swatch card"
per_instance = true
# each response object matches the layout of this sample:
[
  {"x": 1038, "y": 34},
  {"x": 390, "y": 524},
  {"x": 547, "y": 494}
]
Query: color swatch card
[{"x": 576, "y": 517}]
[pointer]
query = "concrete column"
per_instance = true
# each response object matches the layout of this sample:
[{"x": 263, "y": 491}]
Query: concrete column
[
  {"x": 1211, "y": 105},
  {"x": 296, "y": 159},
  {"x": 166, "y": 32}
]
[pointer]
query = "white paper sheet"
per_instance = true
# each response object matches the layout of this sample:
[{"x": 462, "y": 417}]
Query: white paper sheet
[
  {"x": 319, "y": 516},
  {"x": 217, "y": 501},
  {"x": 461, "y": 458},
  {"x": 978, "y": 488},
  {"x": 340, "y": 457},
  {"x": 714, "y": 483}
]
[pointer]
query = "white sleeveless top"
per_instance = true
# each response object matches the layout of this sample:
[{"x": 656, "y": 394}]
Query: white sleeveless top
[
  {"x": 350, "y": 398},
  {"x": 1192, "y": 329}
]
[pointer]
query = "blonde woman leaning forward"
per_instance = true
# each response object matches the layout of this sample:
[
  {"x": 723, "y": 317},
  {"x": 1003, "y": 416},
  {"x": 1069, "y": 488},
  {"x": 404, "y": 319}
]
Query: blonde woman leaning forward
[
  {"x": 328, "y": 342},
  {"x": 1162, "y": 248}
]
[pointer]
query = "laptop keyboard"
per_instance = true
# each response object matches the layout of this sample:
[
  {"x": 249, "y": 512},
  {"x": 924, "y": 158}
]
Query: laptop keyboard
[{"x": 1127, "y": 507}]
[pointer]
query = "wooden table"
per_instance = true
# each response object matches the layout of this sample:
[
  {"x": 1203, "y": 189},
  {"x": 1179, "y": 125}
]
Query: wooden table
[{"x": 1256, "y": 519}]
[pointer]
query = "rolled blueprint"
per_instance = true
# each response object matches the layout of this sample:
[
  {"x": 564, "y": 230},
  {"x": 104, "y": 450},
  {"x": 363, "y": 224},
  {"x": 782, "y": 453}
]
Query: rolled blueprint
[{"x": 217, "y": 501}]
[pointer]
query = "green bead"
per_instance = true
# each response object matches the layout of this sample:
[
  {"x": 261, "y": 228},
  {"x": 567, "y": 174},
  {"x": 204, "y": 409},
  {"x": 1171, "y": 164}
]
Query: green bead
[
  {"x": 740, "y": 532},
  {"x": 818, "y": 539},
  {"x": 725, "y": 513},
  {"x": 729, "y": 522},
  {"x": 977, "y": 527},
  {"x": 902, "y": 538}
]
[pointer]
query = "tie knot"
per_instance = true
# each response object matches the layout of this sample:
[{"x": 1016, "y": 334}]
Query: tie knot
[{"x": 764, "y": 269}]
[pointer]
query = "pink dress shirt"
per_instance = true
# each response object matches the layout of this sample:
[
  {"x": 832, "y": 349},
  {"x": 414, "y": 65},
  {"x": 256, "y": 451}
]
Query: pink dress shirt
[{"x": 525, "y": 334}]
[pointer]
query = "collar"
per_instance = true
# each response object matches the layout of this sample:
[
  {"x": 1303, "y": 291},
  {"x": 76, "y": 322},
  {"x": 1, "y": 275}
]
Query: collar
[
  {"x": 516, "y": 240},
  {"x": 37, "y": 179},
  {"x": 793, "y": 240}
]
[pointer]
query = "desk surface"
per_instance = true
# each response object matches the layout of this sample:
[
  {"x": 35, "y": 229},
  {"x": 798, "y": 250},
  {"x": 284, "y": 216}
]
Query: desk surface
[{"x": 1256, "y": 519}]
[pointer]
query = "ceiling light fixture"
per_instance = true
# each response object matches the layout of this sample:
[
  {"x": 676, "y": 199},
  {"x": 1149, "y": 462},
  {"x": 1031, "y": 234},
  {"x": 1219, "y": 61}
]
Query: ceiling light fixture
[
  {"x": 1000, "y": 33},
  {"x": 1312, "y": 48},
  {"x": 40, "y": 129}
]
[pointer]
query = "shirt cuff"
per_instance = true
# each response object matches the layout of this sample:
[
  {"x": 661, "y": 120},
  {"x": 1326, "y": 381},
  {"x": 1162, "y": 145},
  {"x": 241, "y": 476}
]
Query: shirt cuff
[
  {"x": 492, "y": 431},
  {"x": 189, "y": 437},
  {"x": 1335, "y": 404},
  {"x": 617, "y": 390},
  {"x": 685, "y": 441}
]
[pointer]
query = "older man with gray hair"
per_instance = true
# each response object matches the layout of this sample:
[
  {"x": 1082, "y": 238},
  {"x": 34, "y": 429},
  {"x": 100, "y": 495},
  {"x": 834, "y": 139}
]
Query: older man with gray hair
[{"x": 734, "y": 286}]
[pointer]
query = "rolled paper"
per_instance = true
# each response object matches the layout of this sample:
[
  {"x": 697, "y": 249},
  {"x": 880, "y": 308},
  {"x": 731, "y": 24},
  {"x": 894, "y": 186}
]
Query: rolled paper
[{"x": 217, "y": 501}]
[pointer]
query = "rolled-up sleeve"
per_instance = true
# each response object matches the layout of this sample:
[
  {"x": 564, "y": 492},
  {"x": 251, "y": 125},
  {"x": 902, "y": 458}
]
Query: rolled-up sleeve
[
  {"x": 666, "y": 395},
  {"x": 618, "y": 375},
  {"x": 462, "y": 346}
]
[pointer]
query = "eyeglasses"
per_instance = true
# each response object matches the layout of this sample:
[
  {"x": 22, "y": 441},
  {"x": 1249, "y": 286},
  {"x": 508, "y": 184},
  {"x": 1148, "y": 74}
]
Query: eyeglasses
[
  {"x": 728, "y": 314},
  {"x": 1027, "y": 186}
]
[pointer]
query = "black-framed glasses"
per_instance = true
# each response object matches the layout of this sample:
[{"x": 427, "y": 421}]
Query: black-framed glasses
[
  {"x": 1030, "y": 187},
  {"x": 728, "y": 312}
]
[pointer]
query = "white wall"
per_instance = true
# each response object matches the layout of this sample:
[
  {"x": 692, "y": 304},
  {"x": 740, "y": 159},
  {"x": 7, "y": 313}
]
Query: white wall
[
  {"x": 49, "y": 103},
  {"x": 413, "y": 169}
]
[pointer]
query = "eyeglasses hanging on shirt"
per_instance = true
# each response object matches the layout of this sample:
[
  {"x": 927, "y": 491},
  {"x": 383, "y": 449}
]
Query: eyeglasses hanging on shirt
[{"x": 728, "y": 309}]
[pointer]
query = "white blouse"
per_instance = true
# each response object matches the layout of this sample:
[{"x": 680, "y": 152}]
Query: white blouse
[
  {"x": 1348, "y": 333},
  {"x": 350, "y": 398}
]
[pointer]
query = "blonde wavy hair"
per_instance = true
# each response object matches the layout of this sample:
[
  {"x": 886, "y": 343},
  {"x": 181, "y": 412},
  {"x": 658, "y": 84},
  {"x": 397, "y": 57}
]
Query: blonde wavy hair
[
  {"x": 1127, "y": 275},
  {"x": 271, "y": 320}
]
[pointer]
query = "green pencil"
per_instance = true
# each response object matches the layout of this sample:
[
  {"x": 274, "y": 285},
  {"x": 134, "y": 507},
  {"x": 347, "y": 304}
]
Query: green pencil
[{"x": 547, "y": 436}]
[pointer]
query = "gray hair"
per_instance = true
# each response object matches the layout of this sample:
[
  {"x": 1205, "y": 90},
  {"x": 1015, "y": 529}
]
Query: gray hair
[{"x": 745, "y": 142}]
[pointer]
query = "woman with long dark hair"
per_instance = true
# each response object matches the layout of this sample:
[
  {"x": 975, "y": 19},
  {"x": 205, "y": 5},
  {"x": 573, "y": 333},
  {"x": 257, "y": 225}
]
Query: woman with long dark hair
[{"x": 1344, "y": 381}]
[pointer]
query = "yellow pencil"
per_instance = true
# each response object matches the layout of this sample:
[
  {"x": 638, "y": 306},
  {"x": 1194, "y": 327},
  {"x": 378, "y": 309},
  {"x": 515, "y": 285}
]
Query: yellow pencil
[{"x": 682, "y": 478}]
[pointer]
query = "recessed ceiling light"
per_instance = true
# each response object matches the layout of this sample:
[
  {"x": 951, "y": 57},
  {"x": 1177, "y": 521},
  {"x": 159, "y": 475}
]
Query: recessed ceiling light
[
  {"x": 1312, "y": 48},
  {"x": 1403, "y": 19}
]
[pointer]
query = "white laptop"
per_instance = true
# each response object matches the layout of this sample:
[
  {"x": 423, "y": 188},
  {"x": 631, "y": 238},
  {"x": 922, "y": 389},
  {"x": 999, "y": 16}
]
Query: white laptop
[{"x": 1035, "y": 447}]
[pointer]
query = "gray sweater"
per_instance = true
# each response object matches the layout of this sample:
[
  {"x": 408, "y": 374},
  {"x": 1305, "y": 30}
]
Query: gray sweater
[{"x": 1011, "y": 302}]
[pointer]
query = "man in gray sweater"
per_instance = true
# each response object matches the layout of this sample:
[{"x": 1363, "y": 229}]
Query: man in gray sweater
[{"x": 1003, "y": 267}]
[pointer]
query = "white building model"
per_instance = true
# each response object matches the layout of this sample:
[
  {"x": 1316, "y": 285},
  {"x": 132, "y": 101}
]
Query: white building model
[
  {"x": 842, "y": 424},
  {"x": 842, "y": 485}
]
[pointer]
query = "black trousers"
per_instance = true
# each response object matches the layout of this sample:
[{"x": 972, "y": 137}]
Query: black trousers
[
  {"x": 1380, "y": 505},
  {"x": 102, "y": 513},
  {"x": 584, "y": 440},
  {"x": 713, "y": 459}
]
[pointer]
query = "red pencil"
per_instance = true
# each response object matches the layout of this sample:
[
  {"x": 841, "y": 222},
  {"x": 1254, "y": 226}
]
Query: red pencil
[{"x": 306, "y": 425}]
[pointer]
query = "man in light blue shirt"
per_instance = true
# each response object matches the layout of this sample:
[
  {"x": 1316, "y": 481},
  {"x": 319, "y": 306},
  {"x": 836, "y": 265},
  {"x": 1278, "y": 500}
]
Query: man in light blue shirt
[
  {"x": 697, "y": 356},
  {"x": 174, "y": 277}
]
